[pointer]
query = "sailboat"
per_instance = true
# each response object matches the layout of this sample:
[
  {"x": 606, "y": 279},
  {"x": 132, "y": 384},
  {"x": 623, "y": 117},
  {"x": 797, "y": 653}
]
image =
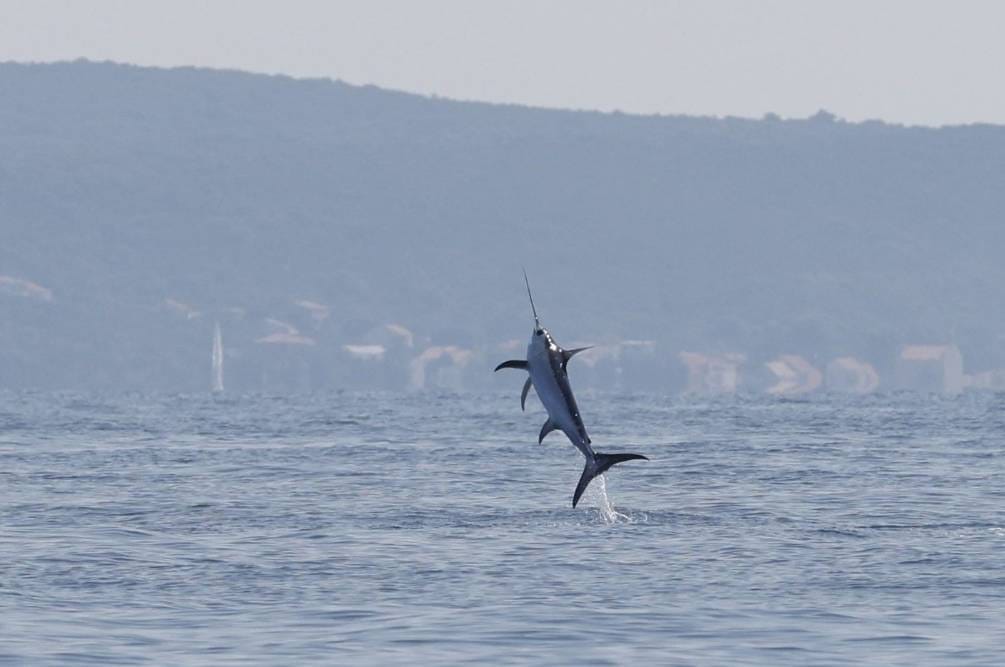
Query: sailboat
[{"x": 217, "y": 359}]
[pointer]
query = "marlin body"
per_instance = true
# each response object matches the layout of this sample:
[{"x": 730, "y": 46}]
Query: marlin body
[{"x": 546, "y": 367}]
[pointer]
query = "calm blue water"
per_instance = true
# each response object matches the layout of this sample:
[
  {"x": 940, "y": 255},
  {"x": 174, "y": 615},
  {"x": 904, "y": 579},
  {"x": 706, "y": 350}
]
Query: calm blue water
[{"x": 366, "y": 529}]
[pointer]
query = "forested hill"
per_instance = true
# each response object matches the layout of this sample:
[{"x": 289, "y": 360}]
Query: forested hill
[{"x": 139, "y": 206}]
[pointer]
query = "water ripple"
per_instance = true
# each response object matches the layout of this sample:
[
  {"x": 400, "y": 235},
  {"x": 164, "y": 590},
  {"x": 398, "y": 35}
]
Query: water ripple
[{"x": 395, "y": 529}]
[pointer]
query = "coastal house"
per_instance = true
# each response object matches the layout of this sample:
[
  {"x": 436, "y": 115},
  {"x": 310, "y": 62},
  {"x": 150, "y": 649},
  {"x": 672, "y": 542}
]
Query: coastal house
[
  {"x": 848, "y": 375},
  {"x": 24, "y": 288},
  {"x": 378, "y": 359},
  {"x": 794, "y": 375},
  {"x": 712, "y": 373},
  {"x": 440, "y": 367},
  {"x": 936, "y": 369},
  {"x": 993, "y": 380},
  {"x": 284, "y": 357}
]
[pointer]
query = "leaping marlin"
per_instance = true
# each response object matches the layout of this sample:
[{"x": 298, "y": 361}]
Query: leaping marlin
[{"x": 546, "y": 367}]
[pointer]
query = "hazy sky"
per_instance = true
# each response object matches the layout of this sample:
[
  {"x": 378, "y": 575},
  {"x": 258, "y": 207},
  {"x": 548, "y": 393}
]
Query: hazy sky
[{"x": 911, "y": 61}]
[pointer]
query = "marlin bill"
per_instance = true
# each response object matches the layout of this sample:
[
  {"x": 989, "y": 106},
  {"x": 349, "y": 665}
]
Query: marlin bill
[{"x": 546, "y": 364}]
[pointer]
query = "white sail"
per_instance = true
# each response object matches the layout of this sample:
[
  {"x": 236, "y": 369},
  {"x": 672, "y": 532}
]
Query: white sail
[{"x": 217, "y": 359}]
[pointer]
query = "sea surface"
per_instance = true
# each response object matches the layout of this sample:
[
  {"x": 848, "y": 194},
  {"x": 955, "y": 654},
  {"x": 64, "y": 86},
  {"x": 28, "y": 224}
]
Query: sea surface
[{"x": 432, "y": 528}]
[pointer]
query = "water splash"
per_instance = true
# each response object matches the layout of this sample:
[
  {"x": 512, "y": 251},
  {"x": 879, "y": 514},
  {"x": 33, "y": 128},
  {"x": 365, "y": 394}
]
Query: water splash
[{"x": 607, "y": 511}]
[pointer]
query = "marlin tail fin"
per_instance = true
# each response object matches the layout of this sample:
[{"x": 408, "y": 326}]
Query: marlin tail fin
[{"x": 598, "y": 466}]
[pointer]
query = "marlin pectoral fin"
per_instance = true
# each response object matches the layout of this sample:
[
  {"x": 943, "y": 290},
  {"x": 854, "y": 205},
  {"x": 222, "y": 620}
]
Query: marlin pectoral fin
[
  {"x": 519, "y": 364},
  {"x": 548, "y": 427},
  {"x": 567, "y": 354},
  {"x": 523, "y": 394}
]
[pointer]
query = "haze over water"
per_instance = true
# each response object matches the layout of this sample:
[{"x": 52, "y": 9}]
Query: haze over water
[
  {"x": 384, "y": 528},
  {"x": 328, "y": 205}
]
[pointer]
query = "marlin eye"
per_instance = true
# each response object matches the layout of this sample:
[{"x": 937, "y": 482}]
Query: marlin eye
[{"x": 539, "y": 332}]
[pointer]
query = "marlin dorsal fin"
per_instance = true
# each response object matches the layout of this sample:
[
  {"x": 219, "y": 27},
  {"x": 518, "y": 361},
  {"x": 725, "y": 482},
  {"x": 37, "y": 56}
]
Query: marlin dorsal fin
[{"x": 568, "y": 354}]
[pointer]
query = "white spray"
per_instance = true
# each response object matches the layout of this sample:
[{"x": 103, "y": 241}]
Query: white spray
[{"x": 607, "y": 511}]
